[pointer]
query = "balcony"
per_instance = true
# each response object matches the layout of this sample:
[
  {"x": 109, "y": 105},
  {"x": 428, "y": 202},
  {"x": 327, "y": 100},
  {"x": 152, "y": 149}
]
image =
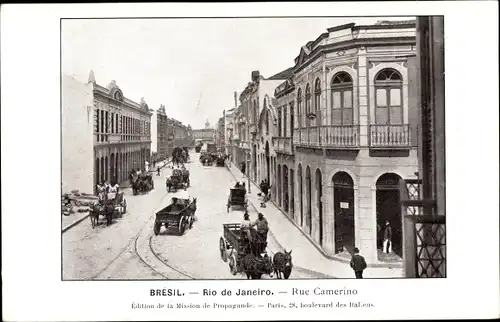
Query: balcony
[
  {"x": 283, "y": 145},
  {"x": 328, "y": 136},
  {"x": 390, "y": 136}
]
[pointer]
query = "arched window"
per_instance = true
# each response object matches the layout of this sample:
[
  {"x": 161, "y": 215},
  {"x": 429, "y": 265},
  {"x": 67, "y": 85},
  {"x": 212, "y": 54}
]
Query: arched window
[
  {"x": 308, "y": 99},
  {"x": 389, "y": 97},
  {"x": 342, "y": 103},
  {"x": 299, "y": 108}
]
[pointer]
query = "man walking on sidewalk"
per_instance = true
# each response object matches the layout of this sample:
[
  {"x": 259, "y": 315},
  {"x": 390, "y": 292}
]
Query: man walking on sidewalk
[
  {"x": 358, "y": 263},
  {"x": 387, "y": 238}
]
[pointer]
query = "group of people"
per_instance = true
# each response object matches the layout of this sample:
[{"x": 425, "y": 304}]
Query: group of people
[
  {"x": 257, "y": 245},
  {"x": 104, "y": 189},
  {"x": 264, "y": 187}
]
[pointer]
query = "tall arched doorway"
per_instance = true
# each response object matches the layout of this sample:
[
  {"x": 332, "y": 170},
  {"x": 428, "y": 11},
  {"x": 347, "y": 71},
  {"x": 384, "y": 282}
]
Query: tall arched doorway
[
  {"x": 97, "y": 173},
  {"x": 292, "y": 193},
  {"x": 268, "y": 163},
  {"x": 319, "y": 203},
  {"x": 308, "y": 201},
  {"x": 389, "y": 209},
  {"x": 278, "y": 184},
  {"x": 112, "y": 168},
  {"x": 343, "y": 198},
  {"x": 286, "y": 197},
  {"x": 301, "y": 194},
  {"x": 254, "y": 163},
  {"x": 102, "y": 172}
]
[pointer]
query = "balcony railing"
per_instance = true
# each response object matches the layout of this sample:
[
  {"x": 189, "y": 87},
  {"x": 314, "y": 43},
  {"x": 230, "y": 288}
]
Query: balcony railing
[
  {"x": 328, "y": 136},
  {"x": 390, "y": 136},
  {"x": 283, "y": 145}
]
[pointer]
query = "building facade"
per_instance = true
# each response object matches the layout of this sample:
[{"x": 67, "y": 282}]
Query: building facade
[
  {"x": 354, "y": 132},
  {"x": 178, "y": 135},
  {"x": 122, "y": 133},
  {"x": 206, "y": 135},
  {"x": 284, "y": 189},
  {"x": 162, "y": 151},
  {"x": 220, "y": 139},
  {"x": 77, "y": 147}
]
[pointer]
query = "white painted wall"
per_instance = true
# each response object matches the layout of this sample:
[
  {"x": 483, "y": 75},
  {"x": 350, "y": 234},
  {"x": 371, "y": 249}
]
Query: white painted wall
[{"x": 77, "y": 135}]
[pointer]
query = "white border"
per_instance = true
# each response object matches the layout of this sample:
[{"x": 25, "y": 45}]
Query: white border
[{"x": 31, "y": 175}]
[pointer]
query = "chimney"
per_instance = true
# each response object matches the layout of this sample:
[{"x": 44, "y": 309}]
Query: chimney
[
  {"x": 255, "y": 75},
  {"x": 91, "y": 77}
]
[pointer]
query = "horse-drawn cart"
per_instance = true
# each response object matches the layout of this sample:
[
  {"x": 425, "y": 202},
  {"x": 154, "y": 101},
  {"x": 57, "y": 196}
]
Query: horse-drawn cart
[
  {"x": 220, "y": 161},
  {"x": 179, "y": 214},
  {"x": 108, "y": 206},
  {"x": 142, "y": 183},
  {"x": 176, "y": 181},
  {"x": 235, "y": 246},
  {"x": 237, "y": 196}
]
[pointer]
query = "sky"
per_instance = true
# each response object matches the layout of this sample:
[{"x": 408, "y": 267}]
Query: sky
[{"x": 174, "y": 62}]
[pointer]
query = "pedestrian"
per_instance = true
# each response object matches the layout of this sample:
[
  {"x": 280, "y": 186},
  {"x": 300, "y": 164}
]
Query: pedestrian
[
  {"x": 358, "y": 263},
  {"x": 387, "y": 237},
  {"x": 158, "y": 171}
]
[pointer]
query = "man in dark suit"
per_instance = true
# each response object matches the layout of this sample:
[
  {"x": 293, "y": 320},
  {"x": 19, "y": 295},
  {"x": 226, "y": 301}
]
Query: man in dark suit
[
  {"x": 358, "y": 263},
  {"x": 387, "y": 238}
]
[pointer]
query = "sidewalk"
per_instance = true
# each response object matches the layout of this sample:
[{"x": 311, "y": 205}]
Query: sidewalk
[
  {"x": 304, "y": 252},
  {"x": 75, "y": 218}
]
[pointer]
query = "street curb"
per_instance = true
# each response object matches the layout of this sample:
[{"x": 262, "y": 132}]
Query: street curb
[
  {"x": 321, "y": 251},
  {"x": 85, "y": 217},
  {"x": 280, "y": 247},
  {"x": 75, "y": 223}
]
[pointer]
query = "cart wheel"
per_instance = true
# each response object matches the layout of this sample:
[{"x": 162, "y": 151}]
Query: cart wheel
[
  {"x": 191, "y": 221},
  {"x": 134, "y": 192},
  {"x": 124, "y": 206},
  {"x": 182, "y": 226},
  {"x": 157, "y": 228},
  {"x": 223, "y": 249},
  {"x": 228, "y": 206},
  {"x": 232, "y": 264}
]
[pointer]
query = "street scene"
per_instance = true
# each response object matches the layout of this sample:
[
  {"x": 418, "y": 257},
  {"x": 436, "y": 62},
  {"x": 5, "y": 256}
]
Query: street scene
[{"x": 299, "y": 162}]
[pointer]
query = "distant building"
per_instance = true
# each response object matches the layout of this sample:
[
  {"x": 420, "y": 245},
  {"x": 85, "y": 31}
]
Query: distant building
[
  {"x": 161, "y": 134},
  {"x": 206, "y": 135}
]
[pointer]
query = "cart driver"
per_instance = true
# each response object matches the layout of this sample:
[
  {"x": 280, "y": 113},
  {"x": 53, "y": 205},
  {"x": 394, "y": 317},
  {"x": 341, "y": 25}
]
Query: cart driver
[{"x": 262, "y": 229}]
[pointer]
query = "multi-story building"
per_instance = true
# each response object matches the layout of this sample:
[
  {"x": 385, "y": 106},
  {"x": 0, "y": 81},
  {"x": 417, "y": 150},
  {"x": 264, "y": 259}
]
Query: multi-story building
[
  {"x": 354, "y": 135},
  {"x": 77, "y": 149},
  {"x": 285, "y": 174},
  {"x": 162, "y": 152},
  {"x": 228, "y": 130},
  {"x": 178, "y": 135},
  {"x": 122, "y": 133},
  {"x": 220, "y": 141},
  {"x": 258, "y": 121}
]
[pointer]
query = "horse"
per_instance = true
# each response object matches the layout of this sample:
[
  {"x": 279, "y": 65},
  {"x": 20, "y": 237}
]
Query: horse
[
  {"x": 101, "y": 209},
  {"x": 283, "y": 264},
  {"x": 255, "y": 266}
]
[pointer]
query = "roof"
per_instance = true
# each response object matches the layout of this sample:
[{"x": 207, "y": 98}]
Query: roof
[{"x": 286, "y": 74}]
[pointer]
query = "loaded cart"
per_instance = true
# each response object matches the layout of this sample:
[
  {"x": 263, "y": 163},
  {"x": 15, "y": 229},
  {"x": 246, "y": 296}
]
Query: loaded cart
[
  {"x": 235, "y": 246},
  {"x": 179, "y": 214},
  {"x": 237, "y": 196}
]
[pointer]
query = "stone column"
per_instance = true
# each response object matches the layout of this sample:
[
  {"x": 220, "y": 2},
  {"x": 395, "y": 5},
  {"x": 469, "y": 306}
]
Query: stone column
[
  {"x": 328, "y": 219},
  {"x": 364, "y": 117}
]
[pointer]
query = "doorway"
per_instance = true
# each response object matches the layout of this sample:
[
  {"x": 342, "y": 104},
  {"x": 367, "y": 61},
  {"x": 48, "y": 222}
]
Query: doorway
[
  {"x": 268, "y": 161},
  {"x": 319, "y": 203},
  {"x": 389, "y": 210},
  {"x": 301, "y": 195},
  {"x": 343, "y": 198},
  {"x": 308, "y": 201}
]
